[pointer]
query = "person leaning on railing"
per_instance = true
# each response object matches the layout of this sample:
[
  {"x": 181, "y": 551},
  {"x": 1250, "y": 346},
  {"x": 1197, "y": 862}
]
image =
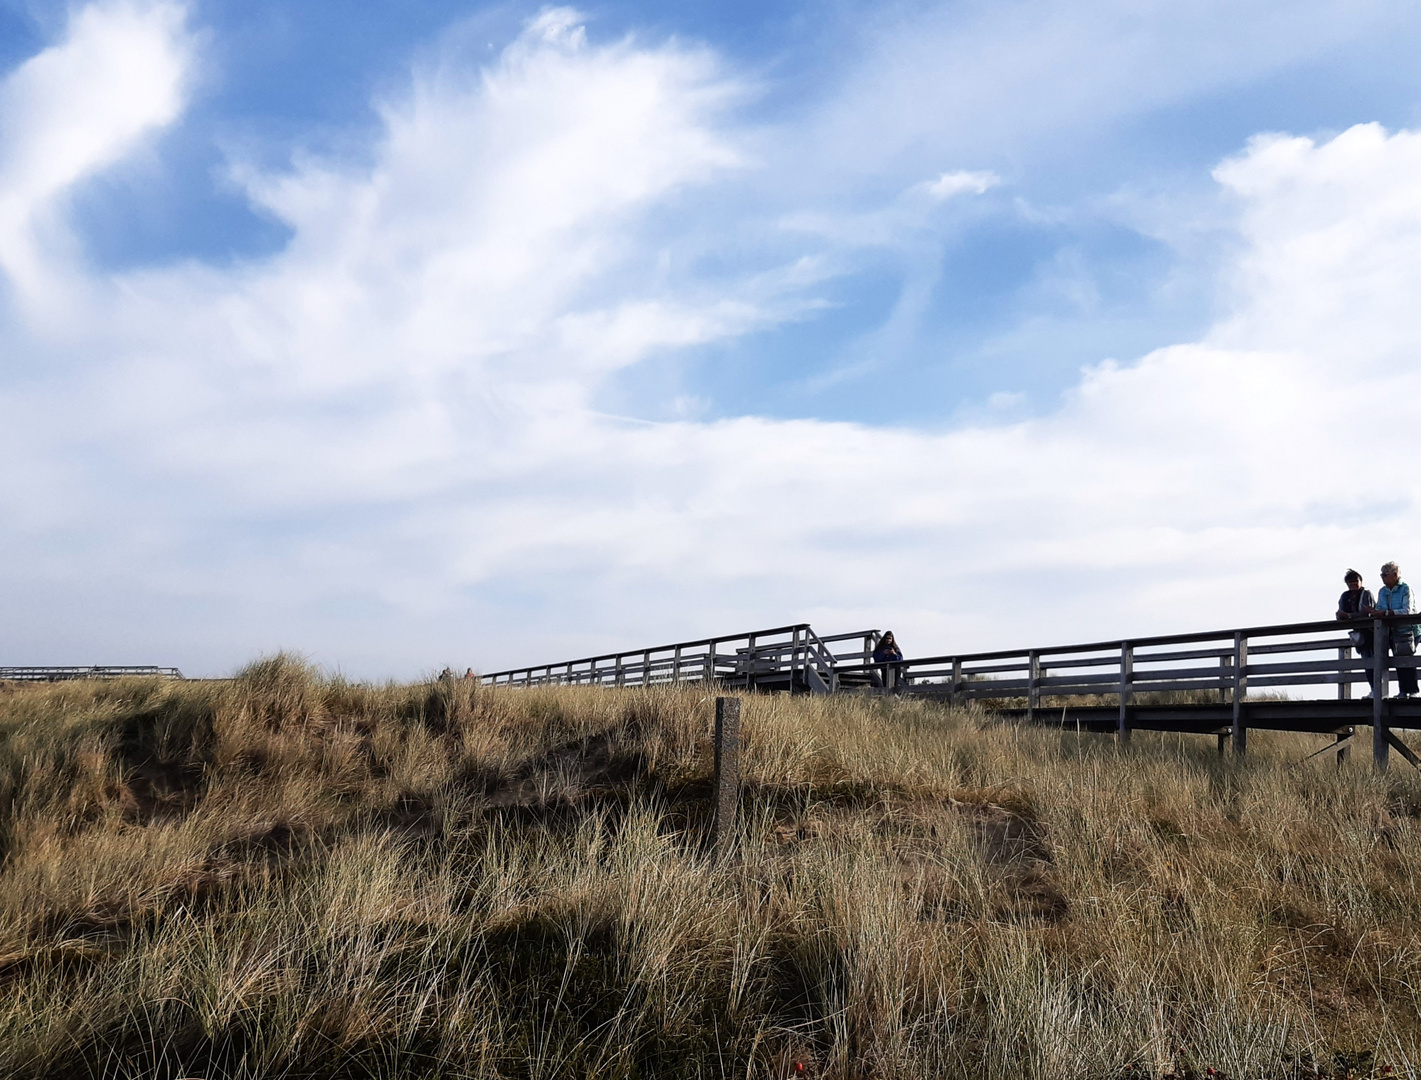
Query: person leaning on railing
[
  {"x": 1395, "y": 599},
  {"x": 1352, "y": 605}
]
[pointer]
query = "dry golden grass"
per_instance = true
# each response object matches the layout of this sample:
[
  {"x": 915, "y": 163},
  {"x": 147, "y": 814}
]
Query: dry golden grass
[{"x": 293, "y": 876}]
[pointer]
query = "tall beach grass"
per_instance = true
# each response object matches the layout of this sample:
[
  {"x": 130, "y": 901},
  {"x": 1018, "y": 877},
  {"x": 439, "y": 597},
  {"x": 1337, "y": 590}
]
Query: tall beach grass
[{"x": 292, "y": 875}]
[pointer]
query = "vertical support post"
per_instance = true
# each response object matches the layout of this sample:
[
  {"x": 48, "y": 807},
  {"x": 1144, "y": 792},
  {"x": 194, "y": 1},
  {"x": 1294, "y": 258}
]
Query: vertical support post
[
  {"x": 621, "y": 679},
  {"x": 750, "y": 663},
  {"x": 1222, "y": 739},
  {"x": 1127, "y": 676},
  {"x": 794, "y": 658},
  {"x": 727, "y": 772},
  {"x": 1226, "y": 664},
  {"x": 1342, "y": 750},
  {"x": 1381, "y": 645},
  {"x": 646, "y": 668},
  {"x": 676, "y": 666},
  {"x": 1344, "y": 678},
  {"x": 1240, "y": 727},
  {"x": 957, "y": 688},
  {"x": 1033, "y": 691}
]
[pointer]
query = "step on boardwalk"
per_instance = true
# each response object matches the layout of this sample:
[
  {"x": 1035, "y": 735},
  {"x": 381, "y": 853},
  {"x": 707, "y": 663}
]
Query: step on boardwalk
[{"x": 1304, "y": 677}]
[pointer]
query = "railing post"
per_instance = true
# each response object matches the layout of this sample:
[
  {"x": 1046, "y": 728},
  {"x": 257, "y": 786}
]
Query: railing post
[
  {"x": 750, "y": 663},
  {"x": 710, "y": 662},
  {"x": 727, "y": 771},
  {"x": 646, "y": 667},
  {"x": 1381, "y": 645},
  {"x": 956, "y": 695},
  {"x": 621, "y": 679},
  {"x": 1033, "y": 691},
  {"x": 676, "y": 666},
  {"x": 793, "y": 658},
  {"x": 1127, "y": 675},
  {"x": 1226, "y": 663},
  {"x": 1240, "y": 727},
  {"x": 1344, "y": 678}
]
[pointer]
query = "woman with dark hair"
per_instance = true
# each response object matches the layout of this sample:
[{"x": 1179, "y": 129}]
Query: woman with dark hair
[
  {"x": 885, "y": 654},
  {"x": 1355, "y": 603}
]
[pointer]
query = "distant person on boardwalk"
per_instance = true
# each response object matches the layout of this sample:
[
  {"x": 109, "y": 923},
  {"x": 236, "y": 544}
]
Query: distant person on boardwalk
[
  {"x": 885, "y": 654},
  {"x": 1395, "y": 599},
  {"x": 446, "y": 675},
  {"x": 469, "y": 672},
  {"x": 1354, "y": 604}
]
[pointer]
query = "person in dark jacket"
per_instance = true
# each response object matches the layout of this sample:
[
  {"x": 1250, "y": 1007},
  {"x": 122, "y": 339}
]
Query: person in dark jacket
[
  {"x": 1357, "y": 603},
  {"x": 885, "y": 654}
]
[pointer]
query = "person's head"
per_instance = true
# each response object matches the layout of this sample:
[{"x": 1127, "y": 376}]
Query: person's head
[
  {"x": 887, "y": 639},
  {"x": 1391, "y": 573},
  {"x": 1353, "y": 579}
]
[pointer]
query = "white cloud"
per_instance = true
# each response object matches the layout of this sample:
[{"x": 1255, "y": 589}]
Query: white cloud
[
  {"x": 381, "y": 443},
  {"x": 957, "y": 183},
  {"x": 76, "y": 108}
]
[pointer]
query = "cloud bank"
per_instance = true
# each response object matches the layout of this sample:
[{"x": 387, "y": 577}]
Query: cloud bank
[{"x": 384, "y": 444}]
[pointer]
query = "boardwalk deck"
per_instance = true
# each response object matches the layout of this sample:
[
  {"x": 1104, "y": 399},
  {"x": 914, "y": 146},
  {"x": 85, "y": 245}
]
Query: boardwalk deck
[{"x": 1288, "y": 677}]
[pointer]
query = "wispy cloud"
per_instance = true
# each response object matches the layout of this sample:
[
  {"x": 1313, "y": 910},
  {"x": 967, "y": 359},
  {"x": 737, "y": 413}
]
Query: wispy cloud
[{"x": 382, "y": 443}]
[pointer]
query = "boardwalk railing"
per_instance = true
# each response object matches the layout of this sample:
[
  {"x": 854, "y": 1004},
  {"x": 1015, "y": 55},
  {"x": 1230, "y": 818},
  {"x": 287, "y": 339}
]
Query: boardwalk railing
[
  {"x": 1307, "y": 677},
  {"x": 778, "y": 658},
  {"x": 62, "y": 674},
  {"x": 1296, "y": 676}
]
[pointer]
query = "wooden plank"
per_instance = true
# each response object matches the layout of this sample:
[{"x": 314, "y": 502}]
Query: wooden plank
[
  {"x": 1299, "y": 646},
  {"x": 1296, "y": 667}
]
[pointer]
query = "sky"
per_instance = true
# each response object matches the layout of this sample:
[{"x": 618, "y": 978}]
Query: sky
[{"x": 491, "y": 334}]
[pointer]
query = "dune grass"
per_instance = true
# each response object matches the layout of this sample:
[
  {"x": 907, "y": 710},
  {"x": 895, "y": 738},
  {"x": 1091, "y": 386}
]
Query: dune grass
[{"x": 290, "y": 875}]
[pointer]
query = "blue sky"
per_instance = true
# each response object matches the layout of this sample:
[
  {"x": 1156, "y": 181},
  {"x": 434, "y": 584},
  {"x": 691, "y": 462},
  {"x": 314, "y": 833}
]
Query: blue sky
[{"x": 430, "y": 333}]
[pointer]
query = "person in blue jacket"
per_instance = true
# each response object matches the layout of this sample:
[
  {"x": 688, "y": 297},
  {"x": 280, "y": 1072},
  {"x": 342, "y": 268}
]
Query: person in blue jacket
[{"x": 1395, "y": 599}]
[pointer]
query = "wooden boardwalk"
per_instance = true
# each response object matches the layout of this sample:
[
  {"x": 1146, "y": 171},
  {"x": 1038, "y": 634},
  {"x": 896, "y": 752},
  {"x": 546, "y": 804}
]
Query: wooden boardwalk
[
  {"x": 64, "y": 674},
  {"x": 1304, "y": 677}
]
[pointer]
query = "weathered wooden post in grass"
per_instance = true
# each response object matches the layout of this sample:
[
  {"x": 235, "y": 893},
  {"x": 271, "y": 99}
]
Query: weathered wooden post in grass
[
  {"x": 727, "y": 771},
  {"x": 1240, "y": 719},
  {"x": 1380, "y": 743}
]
